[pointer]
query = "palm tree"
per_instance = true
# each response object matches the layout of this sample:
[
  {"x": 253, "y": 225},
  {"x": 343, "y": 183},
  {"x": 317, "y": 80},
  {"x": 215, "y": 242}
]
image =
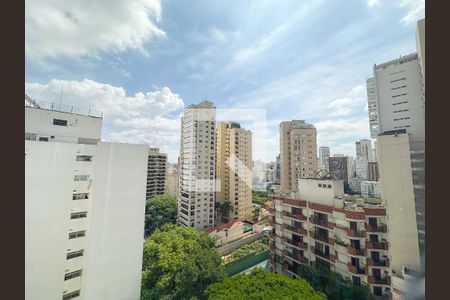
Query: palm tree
[{"x": 224, "y": 210}]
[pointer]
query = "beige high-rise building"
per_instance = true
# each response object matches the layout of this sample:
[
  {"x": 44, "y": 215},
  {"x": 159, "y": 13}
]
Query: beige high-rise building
[
  {"x": 298, "y": 153},
  {"x": 234, "y": 170},
  {"x": 172, "y": 180}
]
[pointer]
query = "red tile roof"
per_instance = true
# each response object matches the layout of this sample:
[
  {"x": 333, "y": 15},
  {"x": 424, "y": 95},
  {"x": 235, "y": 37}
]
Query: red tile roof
[{"x": 223, "y": 226}]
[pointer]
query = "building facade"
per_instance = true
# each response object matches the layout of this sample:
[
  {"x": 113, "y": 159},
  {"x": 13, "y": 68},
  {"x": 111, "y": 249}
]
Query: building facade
[
  {"x": 197, "y": 189},
  {"x": 277, "y": 170},
  {"x": 234, "y": 170},
  {"x": 298, "y": 153},
  {"x": 156, "y": 172},
  {"x": 323, "y": 228},
  {"x": 172, "y": 180},
  {"x": 324, "y": 159},
  {"x": 84, "y": 207},
  {"x": 364, "y": 149},
  {"x": 371, "y": 189},
  {"x": 372, "y": 171},
  {"x": 338, "y": 168}
]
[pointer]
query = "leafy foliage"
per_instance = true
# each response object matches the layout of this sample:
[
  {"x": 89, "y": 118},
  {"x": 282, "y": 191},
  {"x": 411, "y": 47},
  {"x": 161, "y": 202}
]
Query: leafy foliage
[
  {"x": 333, "y": 285},
  {"x": 256, "y": 212},
  {"x": 255, "y": 247},
  {"x": 262, "y": 285},
  {"x": 179, "y": 263},
  {"x": 223, "y": 210},
  {"x": 259, "y": 197},
  {"x": 159, "y": 210}
]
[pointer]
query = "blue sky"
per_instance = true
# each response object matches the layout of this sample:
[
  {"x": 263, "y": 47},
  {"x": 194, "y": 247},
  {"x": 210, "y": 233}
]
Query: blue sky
[{"x": 142, "y": 61}]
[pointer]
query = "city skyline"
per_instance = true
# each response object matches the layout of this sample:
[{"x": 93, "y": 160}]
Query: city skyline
[{"x": 143, "y": 76}]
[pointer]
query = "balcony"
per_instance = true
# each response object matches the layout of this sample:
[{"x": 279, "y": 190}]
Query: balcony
[
  {"x": 324, "y": 255},
  {"x": 355, "y": 251},
  {"x": 378, "y": 229},
  {"x": 356, "y": 269},
  {"x": 300, "y": 245},
  {"x": 322, "y": 238},
  {"x": 299, "y": 216},
  {"x": 295, "y": 229},
  {"x": 381, "y": 263},
  {"x": 321, "y": 222},
  {"x": 379, "y": 280},
  {"x": 377, "y": 245},
  {"x": 354, "y": 233},
  {"x": 298, "y": 258}
]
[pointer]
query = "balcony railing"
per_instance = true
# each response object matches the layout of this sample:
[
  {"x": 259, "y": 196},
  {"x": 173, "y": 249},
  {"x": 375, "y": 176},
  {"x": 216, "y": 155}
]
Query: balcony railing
[
  {"x": 375, "y": 280},
  {"x": 375, "y": 245},
  {"x": 380, "y": 263},
  {"x": 322, "y": 254},
  {"x": 321, "y": 222},
  {"x": 322, "y": 238},
  {"x": 299, "y": 258},
  {"x": 355, "y": 251},
  {"x": 380, "y": 228},
  {"x": 298, "y": 216},
  {"x": 356, "y": 269},
  {"x": 298, "y": 244},
  {"x": 355, "y": 233},
  {"x": 295, "y": 229}
]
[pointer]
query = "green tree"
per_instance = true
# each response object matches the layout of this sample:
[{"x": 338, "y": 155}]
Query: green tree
[
  {"x": 159, "y": 210},
  {"x": 223, "y": 210},
  {"x": 333, "y": 285},
  {"x": 262, "y": 285},
  {"x": 256, "y": 212},
  {"x": 179, "y": 263}
]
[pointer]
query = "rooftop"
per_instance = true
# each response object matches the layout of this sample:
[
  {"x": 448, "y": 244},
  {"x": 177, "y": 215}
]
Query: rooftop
[{"x": 70, "y": 109}]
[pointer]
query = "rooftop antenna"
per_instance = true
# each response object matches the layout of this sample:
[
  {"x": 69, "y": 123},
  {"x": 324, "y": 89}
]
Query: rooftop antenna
[{"x": 60, "y": 96}]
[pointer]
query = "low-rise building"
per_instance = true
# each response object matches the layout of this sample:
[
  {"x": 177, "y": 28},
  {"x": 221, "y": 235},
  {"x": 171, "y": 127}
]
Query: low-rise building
[
  {"x": 229, "y": 232},
  {"x": 322, "y": 227}
]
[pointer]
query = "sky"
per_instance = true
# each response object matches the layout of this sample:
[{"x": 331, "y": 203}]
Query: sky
[{"x": 141, "y": 62}]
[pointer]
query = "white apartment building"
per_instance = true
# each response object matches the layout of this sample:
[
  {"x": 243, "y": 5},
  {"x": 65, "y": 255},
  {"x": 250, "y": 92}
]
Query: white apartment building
[
  {"x": 234, "y": 170},
  {"x": 321, "y": 227},
  {"x": 298, "y": 153},
  {"x": 361, "y": 167},
  {"x": 156, "y": 173},
  {"x": 371, "y": 188},
  {"x": 197, "y": 189},
  {"x": 372, "y": 107},
  {"x": 324, "y": 159},
  {"x": 84, "y": 207},
  {"x": 364, "y": 149}
]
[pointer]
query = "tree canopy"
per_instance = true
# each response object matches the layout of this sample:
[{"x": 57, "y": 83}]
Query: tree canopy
[
  {"x": 179, "y": 263},
  {"x": 159, "y": 210},
  {"x": 333, "y": 285},
  {"x": 262, "y": 285}
]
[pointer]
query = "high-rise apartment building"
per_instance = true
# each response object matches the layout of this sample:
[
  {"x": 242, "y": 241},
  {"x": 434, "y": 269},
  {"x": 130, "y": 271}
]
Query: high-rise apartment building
[
  {"x": 372, "y": 171},
  {"x": 172, "y": 180},
  {"x": 361, "y": 167},
  {"x": 348, "y": 236},
  {"x": 420, "y": 48},
  {"x": 401, "y": 155},
  {"x": 84, "y": 207},
  {"x": 324, "y": 159},
  {"x": 259, "y": 174},
  {"x": 298, "y": 153},
  {"x": 234, "y": 169},
  {"x": 372, "y": 107},
  {"x": 156, "y": 172},
  {"x": 277, "y": 170},
  {"x": 270, "y": 172},
  {"x": 371, "y": 189},
  {"x": 364, "y": 149},
  {"x": 197, "y": 166},
  {"x": 338, "y": 168}
]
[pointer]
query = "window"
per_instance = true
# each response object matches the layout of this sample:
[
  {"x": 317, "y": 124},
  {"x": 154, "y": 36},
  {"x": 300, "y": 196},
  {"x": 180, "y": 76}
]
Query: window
[
  {"x": 77, "y": 234},
  {"x": 84, "y": 157},
  {"x": 72, "y": 275},
  {"x": 43, "y": 139},
  {"x": 71, "y": 295},
  {"x": 81, "y": 177},
  {"x": 74, "y": 254},
  {"x": 80, "y": 196},
  {"x": 59, "y": 122},
  {"x": 78, "y": 215}
]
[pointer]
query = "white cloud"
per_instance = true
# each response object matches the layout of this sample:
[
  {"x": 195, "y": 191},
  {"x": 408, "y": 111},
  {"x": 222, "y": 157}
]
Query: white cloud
[
  {"x": 415, "y": 9},
  {"x": 87, "y": 28},
  {"x": 143, "y": 118},
  {"x": 332, "y": 131}
]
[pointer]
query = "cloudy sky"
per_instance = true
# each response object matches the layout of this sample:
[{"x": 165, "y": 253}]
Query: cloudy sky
[{"x": 142, "y": 61}]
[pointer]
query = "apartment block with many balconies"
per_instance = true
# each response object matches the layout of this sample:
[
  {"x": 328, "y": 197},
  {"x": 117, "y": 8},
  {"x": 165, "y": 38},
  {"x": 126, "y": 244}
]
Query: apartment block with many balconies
[
  {"x": 156, "y": 172},
  {"x": 324, "y": 227}
]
